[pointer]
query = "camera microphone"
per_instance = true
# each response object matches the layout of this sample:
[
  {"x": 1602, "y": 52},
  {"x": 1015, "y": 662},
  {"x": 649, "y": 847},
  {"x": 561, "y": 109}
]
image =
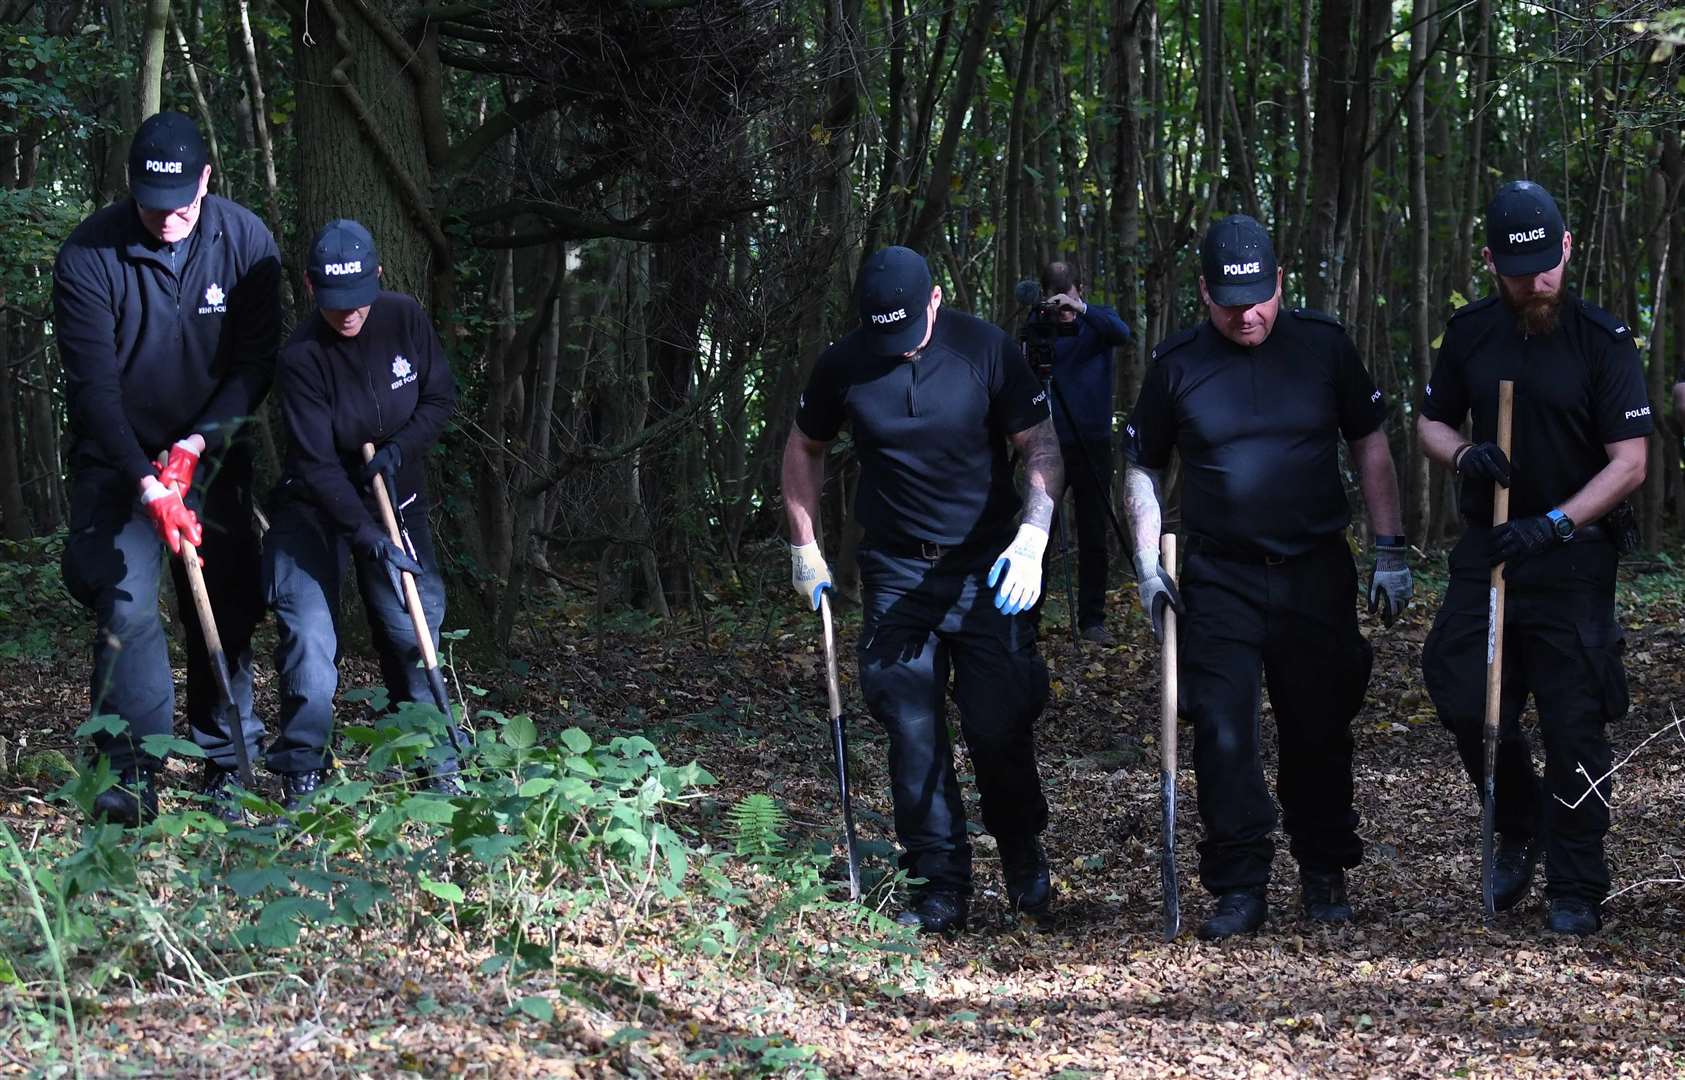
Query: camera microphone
[{"x": 1027, "y": 293}]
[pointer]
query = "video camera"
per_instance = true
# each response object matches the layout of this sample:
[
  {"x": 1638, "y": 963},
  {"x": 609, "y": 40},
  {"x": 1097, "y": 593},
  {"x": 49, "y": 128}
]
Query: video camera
[{"x": 1040, "y": 328}]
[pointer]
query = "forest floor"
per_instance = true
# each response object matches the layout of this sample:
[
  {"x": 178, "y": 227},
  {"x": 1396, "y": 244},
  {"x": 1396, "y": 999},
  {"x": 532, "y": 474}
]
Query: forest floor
[{"x": 1416, "y": 986}]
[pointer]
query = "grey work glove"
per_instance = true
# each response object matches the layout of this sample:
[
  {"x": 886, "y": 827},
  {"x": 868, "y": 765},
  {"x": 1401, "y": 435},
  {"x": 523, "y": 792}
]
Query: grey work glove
[
  {"x": 1157, "y": 589},
  {"x": 1390, "y": 585}
]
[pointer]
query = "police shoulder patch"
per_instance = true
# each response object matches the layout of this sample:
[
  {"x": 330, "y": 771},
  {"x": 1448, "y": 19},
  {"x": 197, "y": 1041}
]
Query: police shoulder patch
[
  {"x": 1479, "y": 305},
  {"x": 1173, "y": 342},
  {"x": 1313, "y": 315},
  {"x": 1610, "y": 325}
]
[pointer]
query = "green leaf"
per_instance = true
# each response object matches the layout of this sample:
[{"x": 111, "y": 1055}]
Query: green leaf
[
  {"x": 250, "y": 881},
  {"x": 576, "y": 740},
  {"x": 535, "y": 787},
  {"x": 539, "y": 1008},
  {"x": 627, "y": 1035},
  {"x": 444, "y": 890},
  {"x": 520, "y": 732},
  {"x": 428, "y": 808},
  {"x": 162, "y": 746},
  {"x": 103, "y": 724}
]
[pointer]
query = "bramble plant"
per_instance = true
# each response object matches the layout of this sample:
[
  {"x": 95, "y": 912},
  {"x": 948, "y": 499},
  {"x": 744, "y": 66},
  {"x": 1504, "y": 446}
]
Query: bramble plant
[{"x": 545, "y": 829}]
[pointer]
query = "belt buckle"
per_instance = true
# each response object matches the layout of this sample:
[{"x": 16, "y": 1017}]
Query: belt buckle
[
  {"x": 1274, "y": 560},
  {"x": 930, "y": 552}
]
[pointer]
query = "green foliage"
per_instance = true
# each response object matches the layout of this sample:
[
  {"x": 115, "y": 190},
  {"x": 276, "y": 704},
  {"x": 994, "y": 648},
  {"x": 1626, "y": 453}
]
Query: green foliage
[
  {"x": 755, "y": 822},
  {"x": 550, "y": 825},
  {"x": 36, "y": 614}
]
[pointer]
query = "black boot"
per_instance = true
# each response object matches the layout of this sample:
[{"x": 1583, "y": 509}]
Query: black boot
[
  {"x": 1238, "y": 912},
  {"x": 132, "y": 802},
  {"x": 936, "y": 911},
  {"x": 443, "y": 779},
  {"x": 297, "y": 787},
  {"x": 1512, "y": 871},
  {"x": 1570, "y": 915},
  {"x": 214, "y": 785},
  {"x": 1323, "y": 893},
  {"x": 1023, "y": 863}
]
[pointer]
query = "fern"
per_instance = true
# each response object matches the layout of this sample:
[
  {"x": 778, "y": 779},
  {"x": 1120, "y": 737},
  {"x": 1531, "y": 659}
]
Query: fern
[{"x": 755, "y": 821}]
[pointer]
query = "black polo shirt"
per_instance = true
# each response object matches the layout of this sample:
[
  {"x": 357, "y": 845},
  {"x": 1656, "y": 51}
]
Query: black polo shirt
[
  {"x": 931, "y": 431},
  {"x": 1577, "y": 389},
  {"x": 1258, "y": 429}
]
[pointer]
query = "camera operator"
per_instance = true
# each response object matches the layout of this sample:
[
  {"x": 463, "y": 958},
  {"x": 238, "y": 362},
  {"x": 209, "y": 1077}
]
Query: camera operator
[{"x": 1082, "y": 416}]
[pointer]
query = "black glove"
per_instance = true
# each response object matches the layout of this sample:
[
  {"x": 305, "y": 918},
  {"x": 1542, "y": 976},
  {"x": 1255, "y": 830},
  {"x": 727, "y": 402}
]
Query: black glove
[
  {"x": 1484, "y": 460},
  {"x": 379, "y": 549},
  {"x": 1520, "y": 538},
  {"x": 385, "y": 464}
]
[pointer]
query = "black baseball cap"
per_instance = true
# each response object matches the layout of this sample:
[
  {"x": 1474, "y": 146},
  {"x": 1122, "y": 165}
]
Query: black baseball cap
[
  {"x": 166, "y": 160},
  {"x": 894, "y": 295},
  {"x": 1238, "y": 262},
  {"x": 344, "y": 266},
  {"x": 1524, "y": 230}
]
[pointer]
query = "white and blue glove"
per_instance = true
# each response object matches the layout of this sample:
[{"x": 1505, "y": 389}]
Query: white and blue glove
[
  {"x": 1016, "y": 575},
  {"x": 808, "y": 572}
]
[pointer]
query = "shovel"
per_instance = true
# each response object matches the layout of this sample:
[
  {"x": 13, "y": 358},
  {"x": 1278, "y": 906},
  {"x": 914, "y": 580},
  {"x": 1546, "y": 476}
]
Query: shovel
[{"x": 839, "y": 744}]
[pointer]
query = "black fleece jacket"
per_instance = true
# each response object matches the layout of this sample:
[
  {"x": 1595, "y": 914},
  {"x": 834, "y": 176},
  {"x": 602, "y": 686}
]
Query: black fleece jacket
[
  {"x": 390, "y": 383},
  {"x": 163, "y": 340}
]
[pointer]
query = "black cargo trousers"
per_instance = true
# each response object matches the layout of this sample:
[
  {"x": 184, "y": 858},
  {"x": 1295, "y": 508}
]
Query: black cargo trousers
[
  {"x": 1563, "y": 646},
  {"x": 924, "y": 620},
  {"x": 1295, "y": 619}
]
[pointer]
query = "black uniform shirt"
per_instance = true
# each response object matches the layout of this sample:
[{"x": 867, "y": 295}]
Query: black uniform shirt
[
  {"x": 1258, "y": 429},
  {"x": 931, "y": 431},
  {"x": 163, "y": 340},
  {"x": 390, "y": 382},
  {"x": 1576, "y": 389}
]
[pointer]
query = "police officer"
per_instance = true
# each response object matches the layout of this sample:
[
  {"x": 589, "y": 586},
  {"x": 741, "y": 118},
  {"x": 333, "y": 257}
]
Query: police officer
[
  {"x": 950, "y": 567},
  {"x": 1082, "y": 415},
  {"x": 366, "y": 368},
  {"x": 1256, "y": 401},
  {"x": 1581, "y": 417},
  {"x": 166, "y": 310}
]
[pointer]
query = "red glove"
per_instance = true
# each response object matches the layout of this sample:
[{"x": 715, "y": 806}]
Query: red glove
[
  {"x": 178, "y": 469},
  {"x": 171, "y": 517}
]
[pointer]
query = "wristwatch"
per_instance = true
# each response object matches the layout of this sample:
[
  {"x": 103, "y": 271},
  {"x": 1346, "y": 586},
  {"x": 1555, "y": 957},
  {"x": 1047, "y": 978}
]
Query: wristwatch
[{"x": 1562, "y": 523}]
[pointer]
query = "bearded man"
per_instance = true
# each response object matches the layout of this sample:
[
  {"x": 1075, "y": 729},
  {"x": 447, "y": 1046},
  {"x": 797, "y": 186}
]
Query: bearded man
[{"x": 1580, "y": 421}]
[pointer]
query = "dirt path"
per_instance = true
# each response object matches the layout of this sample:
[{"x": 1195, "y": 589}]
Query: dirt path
[{"x": 1416, "y": 987}]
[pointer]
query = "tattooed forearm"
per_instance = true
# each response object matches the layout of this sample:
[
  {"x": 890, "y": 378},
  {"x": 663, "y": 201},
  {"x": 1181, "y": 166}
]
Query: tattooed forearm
[
  {"x": 1141, "y": 503},
  {"x": 1044, "y": 473}
]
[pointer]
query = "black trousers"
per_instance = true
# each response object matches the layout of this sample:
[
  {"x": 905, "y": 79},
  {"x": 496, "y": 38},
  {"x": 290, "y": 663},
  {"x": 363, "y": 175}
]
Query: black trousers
[
  {"x": 1297, "y": 620},
  {"x": 1088, "y": 473},
  {"x": 303, "y": 565},
  {"x": 114, "y": 563},
  {"x": 1563, "y": 646},
  {"x": 922, "y": 621}
]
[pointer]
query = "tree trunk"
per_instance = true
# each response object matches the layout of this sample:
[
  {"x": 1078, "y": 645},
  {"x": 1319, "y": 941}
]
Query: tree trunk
[
  {"x": 366, "y": 155},
  {"x": 959, "y": 103},
  {"x": 1421, "y": 335},
  {"x": 152, "y": 56}
]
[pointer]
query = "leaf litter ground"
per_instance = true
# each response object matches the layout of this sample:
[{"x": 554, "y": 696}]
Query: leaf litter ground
[{"x": 1417, "y": 986}]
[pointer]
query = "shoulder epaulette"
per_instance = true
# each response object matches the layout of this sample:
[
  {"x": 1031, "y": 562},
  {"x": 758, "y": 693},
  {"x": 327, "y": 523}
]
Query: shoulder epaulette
[
  {"x": 1479, "y": 305},
  {"x": 1612, "y": 326},
  {"x": 1313, "y": 315},
  {"x": 1173, "y": 342}
]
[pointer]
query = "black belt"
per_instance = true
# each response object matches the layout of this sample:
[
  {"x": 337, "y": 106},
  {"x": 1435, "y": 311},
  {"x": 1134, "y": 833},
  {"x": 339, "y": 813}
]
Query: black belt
[
  {"x": 1204, "y": 545},
  {"x": 934, "y": 552}
]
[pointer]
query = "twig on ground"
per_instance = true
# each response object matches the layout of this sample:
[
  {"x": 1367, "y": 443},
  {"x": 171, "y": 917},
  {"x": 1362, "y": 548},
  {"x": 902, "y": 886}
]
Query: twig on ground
[{"x": 1677, "y": 726}]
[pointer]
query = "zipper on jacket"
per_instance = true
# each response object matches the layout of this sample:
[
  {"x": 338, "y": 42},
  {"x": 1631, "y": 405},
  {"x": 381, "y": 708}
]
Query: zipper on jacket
[
  {"x": 374, "y": 398},
  {"x": 912, "y": 385}
]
